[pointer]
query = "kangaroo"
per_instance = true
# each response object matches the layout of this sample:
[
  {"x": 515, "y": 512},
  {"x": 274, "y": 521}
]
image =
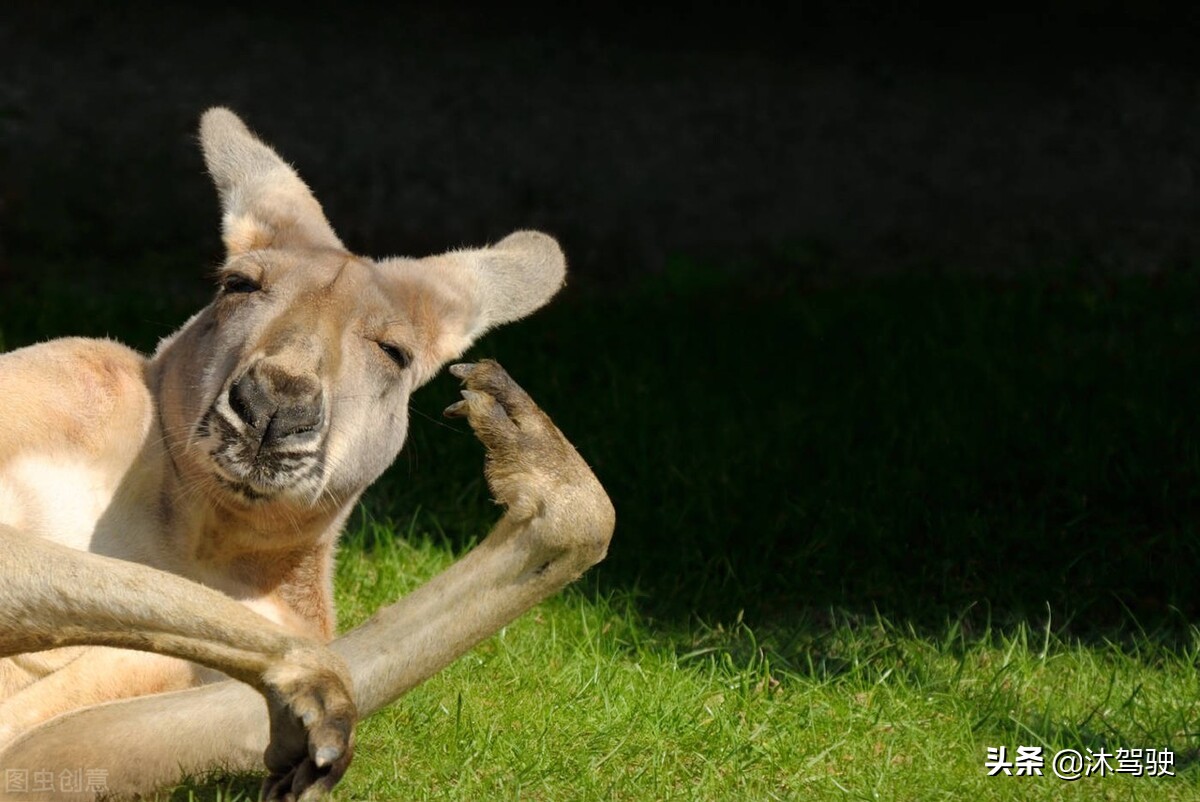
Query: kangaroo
[{"x": 168, "y": 524}]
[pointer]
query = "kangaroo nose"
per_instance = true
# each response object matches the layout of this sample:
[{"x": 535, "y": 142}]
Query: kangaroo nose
[{"x": 276, "y": 404}]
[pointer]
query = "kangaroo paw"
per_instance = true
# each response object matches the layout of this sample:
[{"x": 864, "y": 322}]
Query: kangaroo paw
[{"x": 312, "y": 725}]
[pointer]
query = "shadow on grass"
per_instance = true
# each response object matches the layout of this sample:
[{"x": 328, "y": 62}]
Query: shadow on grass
[
  {"x": 220, "y": 789},
  {"x": 917, "y": 447}
]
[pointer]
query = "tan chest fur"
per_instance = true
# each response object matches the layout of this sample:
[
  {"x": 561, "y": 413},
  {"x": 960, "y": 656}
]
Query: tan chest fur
[{"x": 79, "y": 416}]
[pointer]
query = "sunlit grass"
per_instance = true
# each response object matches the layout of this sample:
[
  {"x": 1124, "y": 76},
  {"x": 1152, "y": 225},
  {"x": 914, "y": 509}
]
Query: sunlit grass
[
  {"x": 585, "y": 699},
  {"x": 866, "y": 530}
]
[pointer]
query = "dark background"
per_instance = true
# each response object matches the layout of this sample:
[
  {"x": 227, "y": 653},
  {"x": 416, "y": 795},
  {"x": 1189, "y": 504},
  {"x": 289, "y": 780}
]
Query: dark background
[
  {"x": 869, "y": 308},
  {"x": 874, "y": 136}
]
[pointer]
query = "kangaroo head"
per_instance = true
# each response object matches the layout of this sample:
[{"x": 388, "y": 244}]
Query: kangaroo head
[{"x": 292, "y": 385}]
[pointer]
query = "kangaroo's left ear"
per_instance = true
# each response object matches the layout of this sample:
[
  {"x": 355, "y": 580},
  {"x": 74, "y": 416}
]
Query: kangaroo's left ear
[
  {"x": 465, "y": 293},
  {"x": 516, "y": 276}
]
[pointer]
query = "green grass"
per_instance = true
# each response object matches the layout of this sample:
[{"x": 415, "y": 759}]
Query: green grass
[{"x": 866, "y": 529}]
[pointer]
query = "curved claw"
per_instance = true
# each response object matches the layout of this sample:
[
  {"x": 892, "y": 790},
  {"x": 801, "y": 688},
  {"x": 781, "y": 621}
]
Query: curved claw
[
  {"x": 312, "y": 726},
  {"x": 493, "y": 400},
  {"x": 306, "y": 780},
  {"x": 521, "y": 442},
  {"x": 487, "y": 376}
]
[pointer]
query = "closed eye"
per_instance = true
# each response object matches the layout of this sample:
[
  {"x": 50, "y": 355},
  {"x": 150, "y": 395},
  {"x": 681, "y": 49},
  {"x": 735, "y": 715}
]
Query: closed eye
[
  {"x": 236, "y": 283},
  {"x": 397, "y": 354}
]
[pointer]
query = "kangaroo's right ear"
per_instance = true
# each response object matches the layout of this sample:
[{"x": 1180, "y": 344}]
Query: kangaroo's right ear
[{"x": 264, "y": 202}]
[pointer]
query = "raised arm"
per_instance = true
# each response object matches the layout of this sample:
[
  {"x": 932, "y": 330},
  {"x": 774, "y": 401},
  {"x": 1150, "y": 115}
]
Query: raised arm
[{"x": 557, "y": 523}]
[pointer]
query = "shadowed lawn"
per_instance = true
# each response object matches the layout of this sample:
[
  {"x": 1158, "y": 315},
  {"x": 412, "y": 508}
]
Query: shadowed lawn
[{"x": 866, "y": 529}]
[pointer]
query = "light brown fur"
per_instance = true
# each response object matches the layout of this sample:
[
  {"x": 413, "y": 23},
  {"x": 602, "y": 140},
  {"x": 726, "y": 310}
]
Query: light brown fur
[{"x": 187, "y": 506}]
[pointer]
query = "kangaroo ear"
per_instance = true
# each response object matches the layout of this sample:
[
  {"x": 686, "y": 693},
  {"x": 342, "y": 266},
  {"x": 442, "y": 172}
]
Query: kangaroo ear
[
  {"x": 264, "y": 202},
  {"x": 462, "y": 294},
  {"x": 516, "y": 276}
]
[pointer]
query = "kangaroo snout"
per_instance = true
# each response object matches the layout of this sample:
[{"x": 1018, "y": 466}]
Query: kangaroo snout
[{"x": 277, "y": 405}]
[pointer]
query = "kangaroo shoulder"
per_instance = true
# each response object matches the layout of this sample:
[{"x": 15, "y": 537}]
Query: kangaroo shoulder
[{"x": 72, "y": 392}]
